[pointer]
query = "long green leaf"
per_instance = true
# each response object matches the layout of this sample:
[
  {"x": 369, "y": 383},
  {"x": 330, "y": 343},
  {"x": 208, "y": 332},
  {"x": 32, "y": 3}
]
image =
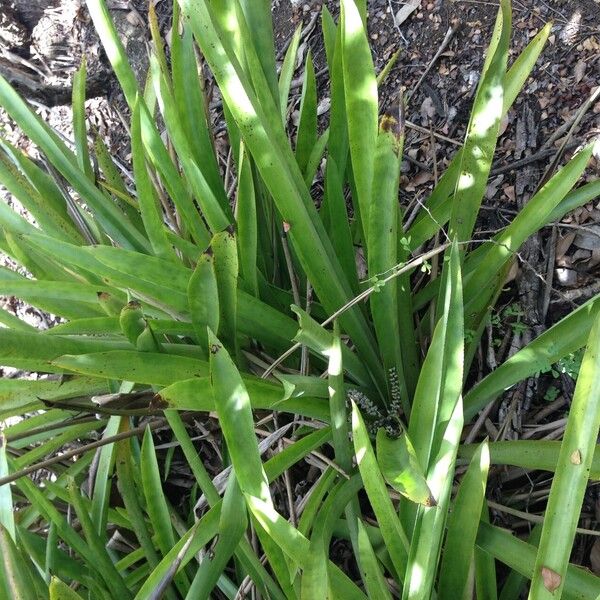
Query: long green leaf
[
  {"x": 296, "y": 546},
  {"x": 268, "y": 145},
  {"x": 482, "y": 132},
  {"x": 235, "y": 416},
  {"x": 148, "y": 202},
  {"x": 108, "y": 215},
  {"x": 287, "y": 72},
  {"x": 102, "y": 560},
  {"x": 7, "y": 520},
  {"x": 381, "y": 225},
  {"x": 439, "y": 204},
  {"x": 566, "y": 336},
  {"x": 400, "y": 467},
  {"x": 247, "y": 225},
  {"x": 374, "y": 580},
  {"x": 395, "y": 538},
  {"x": 429, "y": 528},
  {"x": 232, "y": 525},
  {"x": 16, "y": 576},
  {"x": 579, "y": 583},
  {"x": 306, "y": 136},
  {"x": 571, "y": 477},
  {"x": 360, "y": 90},
  {"x": 61, "y": 591},
  {"x": 463, "y": 523},
  {"x": 156, "y": 504}
]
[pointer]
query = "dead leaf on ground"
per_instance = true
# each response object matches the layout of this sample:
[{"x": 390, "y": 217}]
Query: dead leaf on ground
[
  {"x": 563, "y": 244},
  {"x": 579, "y": 70},
  {"x": 427, "y": 109},
  {"x": 588, "y": 238},
  {"x": 493, "y": 185},
  {"x": 509, "y": 192},
  {"x": 503, "y": 124},
  {"x": 418, "y": 179},
  {"x": 406, "y": 11}
]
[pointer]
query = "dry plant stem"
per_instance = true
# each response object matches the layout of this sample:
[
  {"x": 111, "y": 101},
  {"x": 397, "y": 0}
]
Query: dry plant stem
[
  {"x": 320, "y": 457},
  {"x": 305, "y": 31},
  {"x": 46, "y": 428},
  {"x": 581, "y": 228},
  {"x": 305, "y": 357},
  {"x": 548, "y": 410},
  {"x": 579, "y": 294},
  {"x": 439, "y": 136},
  {"x": 174, "y": 566},
  {"x": 435, "y": 259},
  {"x": 172, "y": 218},
  {"x": 541, "y": 154},
  {"x": 549, "y": 273},
  {"x": 81, "y": 450},
  {"x": 72, "y": 207},
  {"x": 396, "y": 271},
  {"x": 286, "y": 480},
  {"x": 483, "y": 415},
  {"x": 533, "y": 518},
  {"x": 248, "y": 583},
  {"x": 580, "y": 113},
  {"x": 573, "y": 121},
  {"x": 445, "y": 42},
  {"x": 556, "y": 434},
  {"x": 227, "y": 179},
  {"x": 545, "y": 427}
]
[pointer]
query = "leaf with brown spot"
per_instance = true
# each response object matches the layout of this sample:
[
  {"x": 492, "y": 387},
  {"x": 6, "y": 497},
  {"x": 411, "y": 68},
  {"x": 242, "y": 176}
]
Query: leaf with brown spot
[
  {"x": 576, "y": 457},
  {"x": 552, "y": 579}
]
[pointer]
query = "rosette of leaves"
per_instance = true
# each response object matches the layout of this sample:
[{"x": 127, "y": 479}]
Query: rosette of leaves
[{"x": 189, "y": 290}]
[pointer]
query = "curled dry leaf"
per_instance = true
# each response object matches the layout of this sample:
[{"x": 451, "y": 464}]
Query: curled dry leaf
[
  {"x": 588, "y": 238},
  {"x": 579, "y": 70},
  {"x": 509, "y": 191},
  {"x": 419, "y": 179}
]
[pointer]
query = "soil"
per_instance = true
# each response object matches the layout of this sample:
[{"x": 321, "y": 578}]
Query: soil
[{"x": 42, "y": 43}]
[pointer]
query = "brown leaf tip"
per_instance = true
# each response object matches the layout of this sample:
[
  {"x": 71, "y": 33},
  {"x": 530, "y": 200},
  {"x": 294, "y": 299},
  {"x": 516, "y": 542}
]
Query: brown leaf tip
[
  {"x": 158, "y": 403},
  {"x": 552, "y": 579},
  {"x": 430, "y": 502},
  {"x": 389, "y": 124}
]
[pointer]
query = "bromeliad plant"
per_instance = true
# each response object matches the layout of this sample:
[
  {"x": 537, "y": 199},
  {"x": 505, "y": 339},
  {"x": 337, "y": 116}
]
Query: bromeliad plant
[{"x": 183, "y": 295}]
